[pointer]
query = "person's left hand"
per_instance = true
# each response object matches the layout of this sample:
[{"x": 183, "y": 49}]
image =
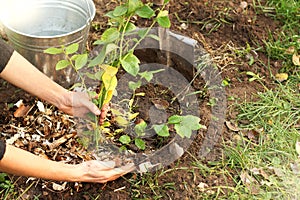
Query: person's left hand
[{"x": 100, "y": 171}]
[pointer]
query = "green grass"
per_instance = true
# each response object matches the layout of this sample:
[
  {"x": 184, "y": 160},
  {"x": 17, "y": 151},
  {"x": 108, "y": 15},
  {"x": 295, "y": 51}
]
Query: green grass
[
  {"x": 264, "y": 149},
  {"x": 288, "y": 13},
  {"x": 275, "y": 119}
]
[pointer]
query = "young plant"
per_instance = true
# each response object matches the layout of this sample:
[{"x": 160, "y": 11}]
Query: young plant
[{"x": 118, "y": 44}]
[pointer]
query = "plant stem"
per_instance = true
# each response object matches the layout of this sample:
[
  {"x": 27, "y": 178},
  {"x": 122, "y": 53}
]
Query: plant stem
[{"x": 122, "y": 37}]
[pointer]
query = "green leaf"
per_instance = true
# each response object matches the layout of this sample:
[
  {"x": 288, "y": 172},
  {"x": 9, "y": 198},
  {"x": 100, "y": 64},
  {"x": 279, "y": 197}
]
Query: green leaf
[
  {"x": 183, "y": 131},
  {"x": 99, "y": 59},
  {"x": 130, "y": 64},
  {"x": 140, "y": 128},
  {"x": 140, "y": 143},
  {"x": 54, "y": 51},
  {"x": 130, "y": 27},
  {"x": 164, "y": 21},
  {"x": 191, "y": 121},
  {"x": 146, "y": 75},
  {"x": 76, "y": 85},
  {"x": 155, "y": 37},
  {"x": 2, "y": 177},
  {"x": 81, "y": 61},
  {"x": 73, "y": 48},
  {"x": 175, "y": 119},
  {"x": 162, "y": 130},
  {"x": 145, "y": 12},
  {"x": 110, "y": 14},
  {"x": 120, "y": 10},
  {"x": 98, "y": 75},
  {"x": 125, "y": 139},
  {"x": 163, "y": 13},
  {"x": 62, "y": 64},
  {"x": 90, "y": 75},
  {"x": 187, "y": 125},
  {"x": 110, "y": 35},
  {"x": 166, "y": 1},
  {"x": 110, "y": 47},
  {"x": 133, "y": 5},
  {"x": 98, "y": 42},
  {"x": 142, "y": 33},
  {"x": 134, "y": 85}
]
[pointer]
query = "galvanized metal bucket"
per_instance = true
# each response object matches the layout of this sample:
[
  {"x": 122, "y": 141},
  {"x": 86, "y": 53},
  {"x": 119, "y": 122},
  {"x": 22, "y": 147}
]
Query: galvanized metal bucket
[{"x": 35, "y": 25}]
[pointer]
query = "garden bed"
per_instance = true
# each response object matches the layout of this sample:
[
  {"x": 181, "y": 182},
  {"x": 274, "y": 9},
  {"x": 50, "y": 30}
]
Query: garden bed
[{"x": 200, "y": 20}]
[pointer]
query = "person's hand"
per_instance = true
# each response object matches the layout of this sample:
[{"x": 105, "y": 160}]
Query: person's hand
[
  {"x": 101, "y": 172},
  {"x": 104, "y": 111},
  {"x": 78, "y": 104}
]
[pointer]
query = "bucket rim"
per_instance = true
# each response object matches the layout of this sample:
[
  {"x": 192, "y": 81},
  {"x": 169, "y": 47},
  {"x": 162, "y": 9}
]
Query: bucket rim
[{"x": 91, "y": 12}]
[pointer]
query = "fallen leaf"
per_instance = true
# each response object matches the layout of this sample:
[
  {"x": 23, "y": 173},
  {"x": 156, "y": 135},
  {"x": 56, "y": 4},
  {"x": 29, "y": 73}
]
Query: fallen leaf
[
  {"x": 281, "y": 77},
  {"x": 202, "y": 186},
  {"x": 252, "y": 134},
  {"x": 296, "y": 59},
  {"x": 160, "y": 104},
  {"x": 122, "y": 121},
  {"x": 251, "y": 183},
  {"x": 259, "y": 171},
  {"x": 298, "y": 148},
  {"x": 290, "y": 50},
  {"x": 232, "y": 127},
  {"x": 295, "y": 168},
  {"x": 22, "y": 110},
  {"x": 58, "y": 187}
]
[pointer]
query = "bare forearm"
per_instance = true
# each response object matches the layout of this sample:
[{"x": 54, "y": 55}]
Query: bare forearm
[
  {"x": 20, "y": 162},
  {"x": 23, "y": 74}
]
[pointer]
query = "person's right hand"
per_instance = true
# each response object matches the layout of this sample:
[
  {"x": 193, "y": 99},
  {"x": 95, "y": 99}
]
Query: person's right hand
[{"x": 101, "y": 172}]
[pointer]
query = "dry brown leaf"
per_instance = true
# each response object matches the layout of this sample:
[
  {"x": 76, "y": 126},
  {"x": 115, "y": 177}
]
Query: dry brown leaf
[
  {"x": 160, "y": 104},
  {"x": 22, "y": 111},
  {"x": 251, "y": 183},
  {"x": 232, "y": 127},
  {"x": 290, "y": 50}
]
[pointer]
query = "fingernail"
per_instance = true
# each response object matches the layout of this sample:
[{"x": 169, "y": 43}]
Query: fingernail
[{"x": 97, "y": 112}]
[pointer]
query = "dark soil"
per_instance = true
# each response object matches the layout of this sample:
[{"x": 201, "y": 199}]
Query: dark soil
[{"x": 195, "y": 19}]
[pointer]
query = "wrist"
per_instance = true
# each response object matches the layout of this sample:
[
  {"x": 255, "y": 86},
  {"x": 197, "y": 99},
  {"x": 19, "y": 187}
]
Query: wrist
[
  {"x": 63, "y": 98},
  {"x": 69, "y": 173}
]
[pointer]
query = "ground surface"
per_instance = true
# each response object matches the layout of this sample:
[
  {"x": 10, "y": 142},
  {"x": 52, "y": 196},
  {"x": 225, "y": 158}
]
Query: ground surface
[{"x": 221, "y": 27}]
